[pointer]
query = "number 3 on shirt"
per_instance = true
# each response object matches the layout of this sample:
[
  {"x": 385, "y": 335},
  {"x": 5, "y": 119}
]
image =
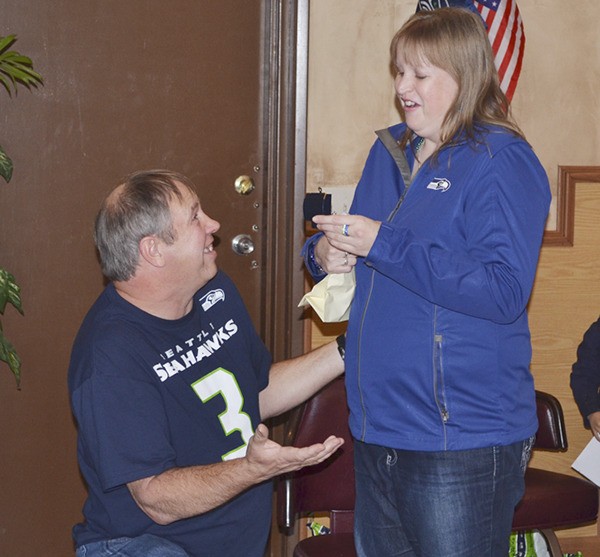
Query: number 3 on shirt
[{"x": 233, "y": 418}]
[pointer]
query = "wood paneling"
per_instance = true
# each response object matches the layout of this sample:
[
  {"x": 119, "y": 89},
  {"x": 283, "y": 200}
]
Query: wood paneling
[{"x": 564, "y": 303}]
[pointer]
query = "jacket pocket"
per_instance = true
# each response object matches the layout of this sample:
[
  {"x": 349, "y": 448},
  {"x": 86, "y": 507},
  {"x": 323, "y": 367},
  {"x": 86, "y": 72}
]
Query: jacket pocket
[{"x": 439, "y": 389}]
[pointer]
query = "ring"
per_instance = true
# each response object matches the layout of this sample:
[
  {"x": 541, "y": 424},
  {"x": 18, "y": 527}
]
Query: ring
[
  {"x": 345, "y": 229},
  {"x": 345, "y": 259}
]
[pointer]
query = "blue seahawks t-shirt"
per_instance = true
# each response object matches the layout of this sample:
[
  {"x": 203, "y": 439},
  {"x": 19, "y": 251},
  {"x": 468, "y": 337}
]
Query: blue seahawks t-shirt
[{"x": 151, "y": 394}]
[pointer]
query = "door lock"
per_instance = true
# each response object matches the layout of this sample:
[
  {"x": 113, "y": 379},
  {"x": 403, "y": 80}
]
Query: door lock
[
  {"x": 244, "y": 185},
  {"x": 242, "y": 244}
]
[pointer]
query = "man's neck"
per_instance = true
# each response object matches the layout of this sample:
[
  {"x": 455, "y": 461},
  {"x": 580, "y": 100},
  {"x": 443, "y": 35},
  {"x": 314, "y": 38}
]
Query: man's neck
[{"x": 158, "y": 303}]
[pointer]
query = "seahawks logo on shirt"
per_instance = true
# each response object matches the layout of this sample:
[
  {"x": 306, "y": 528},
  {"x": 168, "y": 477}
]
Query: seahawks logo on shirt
[{"x": 211, "y": 298}]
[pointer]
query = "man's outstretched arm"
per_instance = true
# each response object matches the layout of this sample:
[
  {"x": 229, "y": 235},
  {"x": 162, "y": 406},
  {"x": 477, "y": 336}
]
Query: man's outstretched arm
[{"x": 185, "y": 492}]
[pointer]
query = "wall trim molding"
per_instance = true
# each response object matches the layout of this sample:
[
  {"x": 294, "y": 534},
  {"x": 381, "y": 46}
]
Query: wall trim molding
[{"x": 568, "y": 177}]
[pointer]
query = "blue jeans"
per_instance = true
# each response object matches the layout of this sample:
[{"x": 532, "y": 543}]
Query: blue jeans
[
  {"x": 437, "y": 504},
  {"x": 146, "y": 545}
]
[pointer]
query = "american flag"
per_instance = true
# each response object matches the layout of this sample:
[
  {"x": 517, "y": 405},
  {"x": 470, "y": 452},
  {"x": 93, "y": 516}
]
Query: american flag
[{"x": 505, "y": 31}]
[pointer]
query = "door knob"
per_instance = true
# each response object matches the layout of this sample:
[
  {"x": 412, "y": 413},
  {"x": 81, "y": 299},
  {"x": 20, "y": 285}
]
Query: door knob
[
  {"x": 242, "y": 244},
  {"x": 244, "y": 185}
]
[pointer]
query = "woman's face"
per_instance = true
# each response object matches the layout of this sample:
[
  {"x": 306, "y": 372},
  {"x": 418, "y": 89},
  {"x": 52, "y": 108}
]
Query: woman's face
[{"x": 426, "y": 93}]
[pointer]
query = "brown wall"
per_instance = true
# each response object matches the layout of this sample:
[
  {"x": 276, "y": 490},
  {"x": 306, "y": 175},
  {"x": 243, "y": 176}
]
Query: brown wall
[{"x": 45, "y": 223}]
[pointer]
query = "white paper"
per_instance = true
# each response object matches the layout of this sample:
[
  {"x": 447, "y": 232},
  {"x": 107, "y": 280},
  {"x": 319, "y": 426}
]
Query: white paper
[{"x": 588, "y": 462}]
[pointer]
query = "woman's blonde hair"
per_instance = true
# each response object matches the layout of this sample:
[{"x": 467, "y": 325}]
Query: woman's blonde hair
[{"x": 455, "y": 40}]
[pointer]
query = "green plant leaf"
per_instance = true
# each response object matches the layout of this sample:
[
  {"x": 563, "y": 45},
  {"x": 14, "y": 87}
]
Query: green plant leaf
[
  {"x": 6, "y": 83},
  {"x": 9, "y": 355},
  {"x": 6, "y": 165},
  {"x": 5, "y": 42},
  {"x": 16, "y": 67},
  {"x": 21, "y": 59},
  {"x": 9, "y": 292}
]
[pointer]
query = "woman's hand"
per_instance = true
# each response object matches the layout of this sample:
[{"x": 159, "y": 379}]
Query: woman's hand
[
  {"x": 333, "y": 260},
  {"x": 351, "y": 234}
]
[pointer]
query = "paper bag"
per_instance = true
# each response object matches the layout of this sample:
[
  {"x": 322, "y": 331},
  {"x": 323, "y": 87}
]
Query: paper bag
[{"x": 332, "y": 297}]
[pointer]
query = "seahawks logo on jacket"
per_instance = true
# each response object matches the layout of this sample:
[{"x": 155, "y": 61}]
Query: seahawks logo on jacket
[{"x": 439, "y": 184}]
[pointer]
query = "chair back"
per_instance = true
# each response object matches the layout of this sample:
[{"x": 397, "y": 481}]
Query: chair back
[
  {"x": 551, "y": 434},
  {"x": 553, "y": 500},
  {"x": 328, "y": 486}
]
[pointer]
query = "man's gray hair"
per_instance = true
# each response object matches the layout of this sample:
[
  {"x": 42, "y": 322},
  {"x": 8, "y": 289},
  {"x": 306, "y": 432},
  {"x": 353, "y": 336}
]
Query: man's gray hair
[{"x": 138, "y": 207}]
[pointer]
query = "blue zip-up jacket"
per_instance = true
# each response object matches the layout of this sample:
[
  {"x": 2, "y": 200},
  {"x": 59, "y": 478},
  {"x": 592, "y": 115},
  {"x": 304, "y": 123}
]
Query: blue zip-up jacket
[{"x": 438, "y": 345}]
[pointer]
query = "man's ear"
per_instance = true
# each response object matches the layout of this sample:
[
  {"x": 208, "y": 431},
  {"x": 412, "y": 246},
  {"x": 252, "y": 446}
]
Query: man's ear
[{"x": 151, "y": 250}]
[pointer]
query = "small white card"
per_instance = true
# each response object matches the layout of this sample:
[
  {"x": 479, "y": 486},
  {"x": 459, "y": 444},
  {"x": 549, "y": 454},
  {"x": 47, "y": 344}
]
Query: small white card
[{"x": 588, "y": 462}]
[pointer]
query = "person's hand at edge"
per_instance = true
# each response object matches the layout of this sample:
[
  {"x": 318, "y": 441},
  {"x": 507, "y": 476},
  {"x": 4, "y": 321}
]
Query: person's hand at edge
[{"x": 273, "y": 459}]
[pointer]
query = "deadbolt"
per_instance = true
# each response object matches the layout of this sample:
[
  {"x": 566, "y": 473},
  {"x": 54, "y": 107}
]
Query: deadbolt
[
  {"x": 242, "y": 244},
  {"x": 244, "y": 185}
]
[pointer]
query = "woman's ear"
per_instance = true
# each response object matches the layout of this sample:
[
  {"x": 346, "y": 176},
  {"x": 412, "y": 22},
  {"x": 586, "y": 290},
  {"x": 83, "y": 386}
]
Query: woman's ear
[{"x": 151, "y": 250}]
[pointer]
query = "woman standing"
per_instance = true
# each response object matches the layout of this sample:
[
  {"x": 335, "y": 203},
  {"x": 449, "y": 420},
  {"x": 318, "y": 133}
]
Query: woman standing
[{"x": 442, "y": 403}]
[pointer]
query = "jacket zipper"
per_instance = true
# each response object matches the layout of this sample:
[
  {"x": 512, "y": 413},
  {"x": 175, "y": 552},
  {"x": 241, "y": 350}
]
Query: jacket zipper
[
  {"x": 364, "y": 314},
  {"x": 439, "y": 391}
]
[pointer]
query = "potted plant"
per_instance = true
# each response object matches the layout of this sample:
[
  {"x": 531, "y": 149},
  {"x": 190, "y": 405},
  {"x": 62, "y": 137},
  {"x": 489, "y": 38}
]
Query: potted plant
[{"x": 15, "y": 69}]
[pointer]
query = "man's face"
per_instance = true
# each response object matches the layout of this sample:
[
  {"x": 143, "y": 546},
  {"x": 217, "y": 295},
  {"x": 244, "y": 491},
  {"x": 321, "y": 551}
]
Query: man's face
[{"x": 191, "y": 258}]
